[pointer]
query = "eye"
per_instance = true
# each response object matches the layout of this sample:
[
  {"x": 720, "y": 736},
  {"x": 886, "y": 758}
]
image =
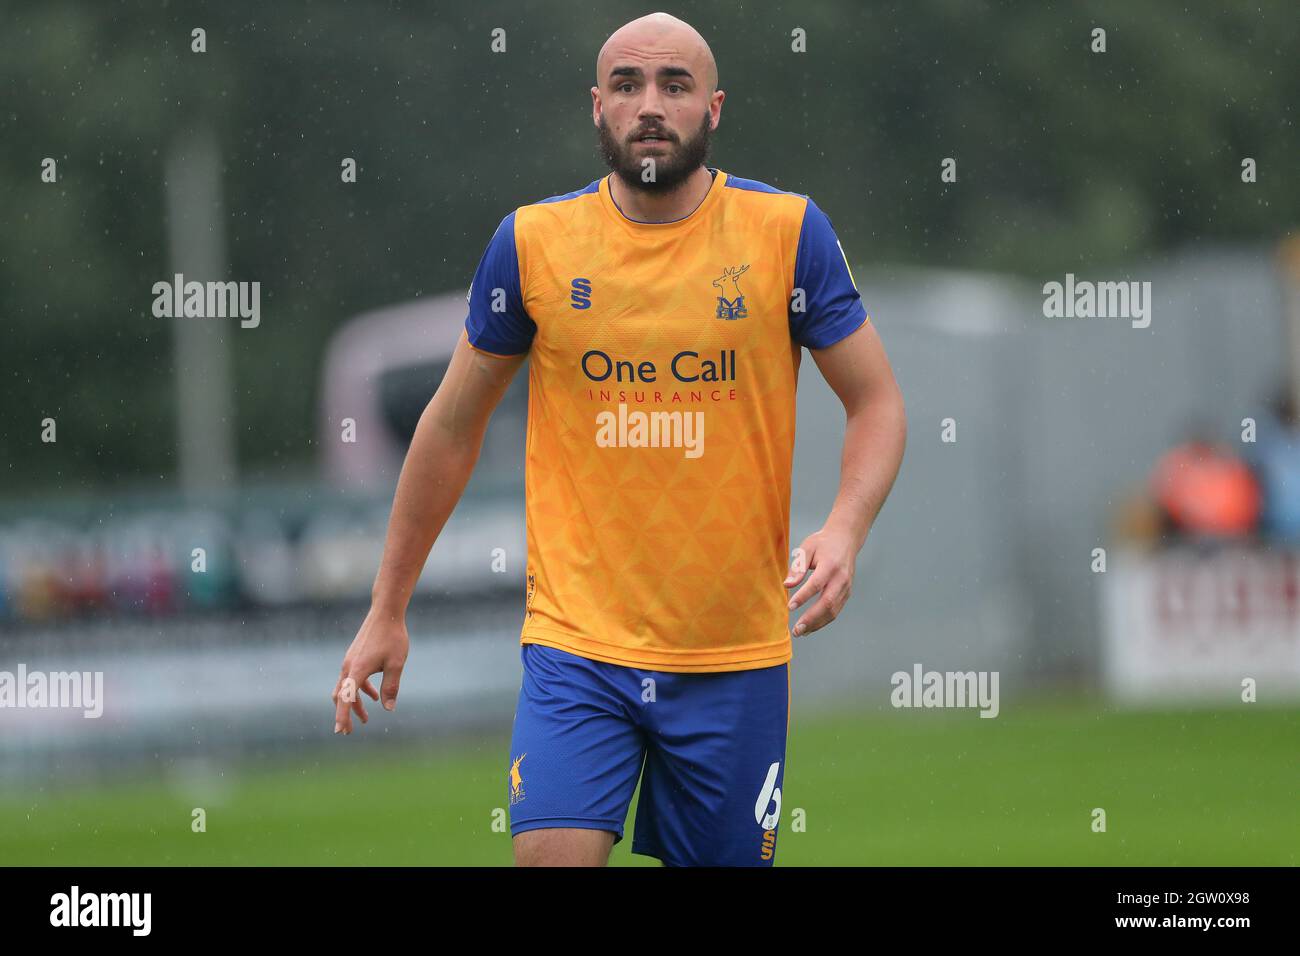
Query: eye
[
  {"x": 676, "y": 88},
  {"x": 625, "y": 88}
]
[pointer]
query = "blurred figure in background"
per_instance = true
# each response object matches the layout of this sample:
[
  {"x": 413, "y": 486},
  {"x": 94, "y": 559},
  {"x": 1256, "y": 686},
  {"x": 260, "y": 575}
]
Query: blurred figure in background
[
  {"x": 1204, "y": 491},
  {"x": 1275, "y": 458}
]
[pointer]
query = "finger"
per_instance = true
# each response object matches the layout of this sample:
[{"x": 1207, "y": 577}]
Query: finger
[
  {"x": 824, "y": 610},
  {"x": 338, "y": 689},
  {"x": 392, "y": 679},
  {"x": 369, "y": 688},
  {"x": 347, "y": 693},
  {"x": 360, "y": 710},
  {"x": 338, "y": 685},
  {"x": 342, "y": 717},
  {"x": 816, "y": 581},
  {"x": 800, "y": 561}
]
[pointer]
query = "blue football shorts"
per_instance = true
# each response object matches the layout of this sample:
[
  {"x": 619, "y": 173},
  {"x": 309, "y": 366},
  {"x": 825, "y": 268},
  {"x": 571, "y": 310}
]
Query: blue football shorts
[{"x": 709, "y": 749}]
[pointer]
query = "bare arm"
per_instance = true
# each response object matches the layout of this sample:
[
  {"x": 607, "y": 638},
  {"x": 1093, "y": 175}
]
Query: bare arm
[
  {"x": 858, "y": 371},
  {"x": 438, "y": 465}
]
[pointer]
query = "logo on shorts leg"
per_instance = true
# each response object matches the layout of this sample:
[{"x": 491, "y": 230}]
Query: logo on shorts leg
[
  {"x": 516, "y": 780},
  {"x": 769, "y": 799}
]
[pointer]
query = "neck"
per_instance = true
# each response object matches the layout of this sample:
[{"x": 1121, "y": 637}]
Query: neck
[{"x": 643, "y": 206}]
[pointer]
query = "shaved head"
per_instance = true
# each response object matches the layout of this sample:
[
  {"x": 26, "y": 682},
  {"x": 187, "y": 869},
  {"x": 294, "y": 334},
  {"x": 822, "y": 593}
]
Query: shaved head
[
  {"x": 656, "y": 103},
  {"x": 659, "y": 36}
]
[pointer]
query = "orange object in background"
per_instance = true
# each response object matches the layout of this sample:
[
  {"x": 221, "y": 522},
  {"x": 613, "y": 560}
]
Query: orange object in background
[{"x": 1205, "y": 490}]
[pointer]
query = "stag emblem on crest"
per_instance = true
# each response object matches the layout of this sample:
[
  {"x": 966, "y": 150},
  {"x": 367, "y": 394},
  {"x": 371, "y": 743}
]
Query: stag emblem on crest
[{"x": 731, "y": 301}]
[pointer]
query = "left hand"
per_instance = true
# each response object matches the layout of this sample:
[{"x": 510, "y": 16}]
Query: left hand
[{"x": 831, "y": 557}]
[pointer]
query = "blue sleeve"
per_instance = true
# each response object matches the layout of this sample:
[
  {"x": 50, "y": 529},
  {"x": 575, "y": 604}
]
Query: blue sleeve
[
  {"x": 832, "y": 307},
  {"x": 497, "y": 321}
]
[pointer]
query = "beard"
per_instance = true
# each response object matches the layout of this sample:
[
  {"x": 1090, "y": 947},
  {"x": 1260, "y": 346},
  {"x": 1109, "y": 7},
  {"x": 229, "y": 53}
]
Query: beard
[{"x": 671, "y": 169}]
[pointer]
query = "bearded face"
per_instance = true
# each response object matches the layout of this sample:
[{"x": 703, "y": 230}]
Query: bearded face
[{"x": 674, "y": 158}]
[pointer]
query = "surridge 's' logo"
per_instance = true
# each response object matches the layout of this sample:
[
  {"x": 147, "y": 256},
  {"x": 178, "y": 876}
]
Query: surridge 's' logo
[
  {"x": 516, "y": 780},
  {"x": 731, "y": 302},
  {"x": 580, "y": 293}
]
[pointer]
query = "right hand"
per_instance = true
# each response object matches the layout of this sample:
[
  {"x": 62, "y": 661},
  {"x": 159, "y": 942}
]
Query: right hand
[{"x": 381, "y": 645}]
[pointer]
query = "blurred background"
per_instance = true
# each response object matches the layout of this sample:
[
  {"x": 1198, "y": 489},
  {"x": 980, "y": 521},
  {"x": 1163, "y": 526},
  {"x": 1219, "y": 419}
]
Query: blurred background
[{"x": 1104, "y": 514}]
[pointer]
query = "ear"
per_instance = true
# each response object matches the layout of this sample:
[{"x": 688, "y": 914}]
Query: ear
[
  {"x": 595, "y": 106},
  {"x": 715, "y": 107}
]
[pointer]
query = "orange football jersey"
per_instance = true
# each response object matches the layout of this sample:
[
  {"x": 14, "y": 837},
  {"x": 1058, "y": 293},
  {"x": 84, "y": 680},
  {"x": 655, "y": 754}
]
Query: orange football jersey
[{"x": 663, "y": 359}]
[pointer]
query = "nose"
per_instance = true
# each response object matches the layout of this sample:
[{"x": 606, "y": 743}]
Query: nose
[{"x": 651, "y": 104}]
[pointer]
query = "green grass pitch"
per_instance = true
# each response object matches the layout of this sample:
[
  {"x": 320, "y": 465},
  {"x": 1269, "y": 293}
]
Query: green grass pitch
[{"x": 1203, "y": 787}]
